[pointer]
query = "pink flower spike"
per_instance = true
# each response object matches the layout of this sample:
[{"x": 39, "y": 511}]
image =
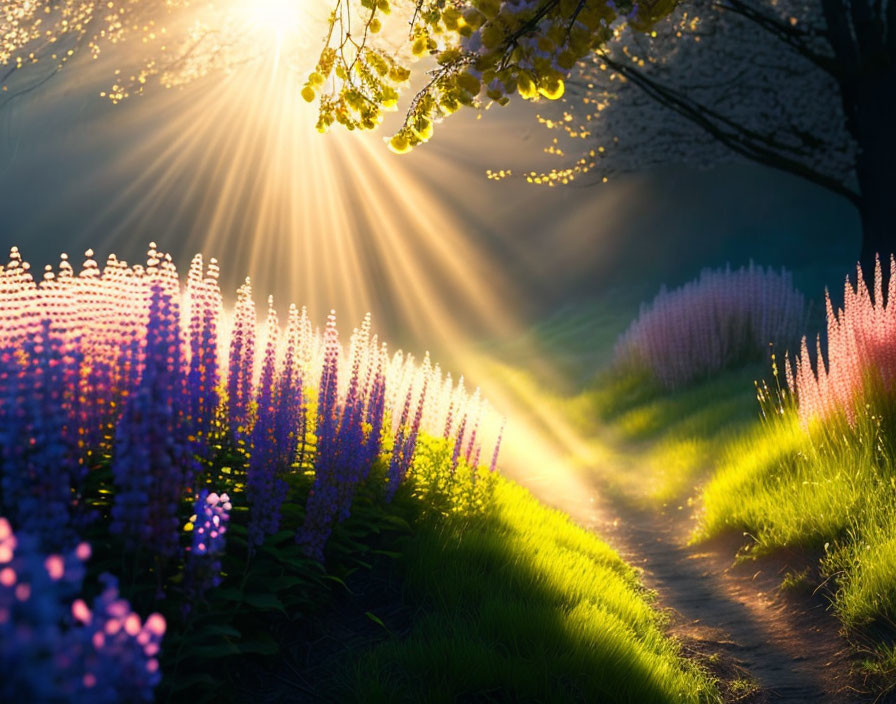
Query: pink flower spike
[
  {"x": 83, "y": 551},
  {"x": 89, "y": 680},
  {"x": 6, "y": 550},
  {"x": 7, "y": 576},
  {"x": 132, "y": 625},
  {"x": 98, "y": 640},
  {"x": 55, "y": 566},
  {"x": 155, "y": 624},
  {"x": 80, "y": 611}
]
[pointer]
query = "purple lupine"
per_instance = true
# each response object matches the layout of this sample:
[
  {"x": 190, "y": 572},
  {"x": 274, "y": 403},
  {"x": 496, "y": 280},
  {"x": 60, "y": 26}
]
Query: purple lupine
[
  {"x": 396, "y": 460},
  {"x": 202, "y": 570},
  {"x": 406, "y": 442},
  {"x": 112, "y": 655},
  {"x": 153, "y": 460},
  {"x": 242, "y": 363},
  {"x": 39, "y": 458},
  {"x": 376, "y": 410},
  {"x": 350, "y": 468},
  {"x": 494, "y": 464},
  {"x": 203, "y": 374},
  {"x": 323, "y": 499},
  {"x": 266, "y": 491},
  {"x": 290, "y": 415},
  {"x": 458, "y": 444},
  {"x": 468, "y": 455},
  {"x": 56, "y": 649}
]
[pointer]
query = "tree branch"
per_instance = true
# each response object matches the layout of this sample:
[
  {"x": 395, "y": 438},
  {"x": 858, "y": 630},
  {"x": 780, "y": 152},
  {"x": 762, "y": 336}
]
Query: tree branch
[
  {"x": 794, "y": 37},
  {"x": 748, "y": 143}
]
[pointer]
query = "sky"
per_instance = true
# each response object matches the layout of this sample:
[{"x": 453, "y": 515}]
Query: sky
[{"x": 233, "y": 169}]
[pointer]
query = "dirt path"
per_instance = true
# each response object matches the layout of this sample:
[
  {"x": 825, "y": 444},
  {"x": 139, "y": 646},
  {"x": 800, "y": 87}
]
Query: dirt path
[{"x": 734, "y": 614}]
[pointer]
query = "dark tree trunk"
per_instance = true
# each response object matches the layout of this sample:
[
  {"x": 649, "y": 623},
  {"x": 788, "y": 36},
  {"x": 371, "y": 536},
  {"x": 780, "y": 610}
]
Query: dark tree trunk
[
  {"x": 865, "y": 50},
  {"x": 875, "y": 119}
]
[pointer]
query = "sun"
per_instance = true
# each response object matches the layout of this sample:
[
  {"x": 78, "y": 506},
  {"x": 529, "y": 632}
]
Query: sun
[
  {"x": 281, "y": 29},
  {"x": 279, "y": 17}
]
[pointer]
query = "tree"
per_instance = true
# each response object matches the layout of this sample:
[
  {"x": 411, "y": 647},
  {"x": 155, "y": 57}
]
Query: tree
[
  {"x": 171, "y": 41},
  {"x": 804, "y": 86},
  {"x": 481, "y": 50}
]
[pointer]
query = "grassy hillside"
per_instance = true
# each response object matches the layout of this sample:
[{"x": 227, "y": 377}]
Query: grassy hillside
[{"x": 518, "y": 604}]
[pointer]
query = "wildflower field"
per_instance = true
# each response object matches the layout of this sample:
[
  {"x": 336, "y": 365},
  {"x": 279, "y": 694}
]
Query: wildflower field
[
  {"x": 187, "y": 494},
  {"x": 771, "y": 451},
  {"x": 550, "y": 358}
]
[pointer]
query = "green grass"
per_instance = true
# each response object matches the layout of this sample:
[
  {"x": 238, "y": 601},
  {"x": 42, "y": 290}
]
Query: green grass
[
  {"x": 519, "y": 604},
  {"x": 829, "y": 491},
  {"x": 666, "y": 442}
]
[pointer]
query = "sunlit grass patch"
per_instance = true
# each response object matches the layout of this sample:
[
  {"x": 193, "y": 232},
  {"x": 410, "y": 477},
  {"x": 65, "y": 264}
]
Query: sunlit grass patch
[
  {"x": 522, "y": 605},
  {"x": 667, "y": 441},
  {"x": 865, "y": 569},
  {"x": 830, "y": 491}
]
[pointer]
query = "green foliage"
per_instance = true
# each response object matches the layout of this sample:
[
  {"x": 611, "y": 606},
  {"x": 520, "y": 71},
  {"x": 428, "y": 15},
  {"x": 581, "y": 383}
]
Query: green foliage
[
  {"x": 517, "y": 603},
  {"x": 481, "y": 50},
  {"x": 830, "y": 491},
  {"x": 466, "y": 490},
  {"x": 667, "y": 441}
]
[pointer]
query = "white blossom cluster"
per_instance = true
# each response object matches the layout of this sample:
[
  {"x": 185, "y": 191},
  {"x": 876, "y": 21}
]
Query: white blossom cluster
[{"x": 710, "y": 85}]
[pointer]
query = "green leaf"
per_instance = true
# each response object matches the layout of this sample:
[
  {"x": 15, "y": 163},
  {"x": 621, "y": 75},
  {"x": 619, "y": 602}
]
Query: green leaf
[
  {"x": 216, "y": 630},
  {"x": 287, "y": 582},
  {"x": 228, "y": 594},
  {"x": 387, "y": 553},
  {"x": 338, "y": 581},
  {"x": 376, "y": 619},
  {"x": 397, "y": 522},
  {"x": 265, "y": 601}
]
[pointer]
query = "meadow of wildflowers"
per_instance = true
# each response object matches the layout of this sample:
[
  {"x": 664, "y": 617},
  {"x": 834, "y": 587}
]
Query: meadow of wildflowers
[
  {"x": 721, "y": 319},
  {"x": 131, "y": 401}
]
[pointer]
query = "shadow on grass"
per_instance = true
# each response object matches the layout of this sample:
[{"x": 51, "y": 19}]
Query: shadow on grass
[{"x": 507, "y": 613}]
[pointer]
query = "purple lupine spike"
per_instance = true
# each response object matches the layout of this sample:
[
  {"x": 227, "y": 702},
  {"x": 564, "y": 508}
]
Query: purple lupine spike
[
  {"x": 351, "y": 430},
  {"x": 409, "y": 445},
  {"x": 458, "y": 444},
  {"x": 242, "y": 362},
  {"x": 202, "y": 569},
  {"x": 398, "y": 444},
  {"x": 323, "y": 500},
  {"x": 472, "y": 443},
  {"x": 376, "y": 407},
  {"x": 494, "y": 463},
  {"x": 290, "y": 415},
  {"x": 203, "y": 375},
  {"x": 266, "y": 491},
  {"x": 40, "y": 462},
  {"x": 153, "y": 460},
  {"x": 56, "y": 649}
]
